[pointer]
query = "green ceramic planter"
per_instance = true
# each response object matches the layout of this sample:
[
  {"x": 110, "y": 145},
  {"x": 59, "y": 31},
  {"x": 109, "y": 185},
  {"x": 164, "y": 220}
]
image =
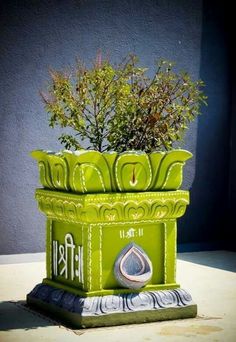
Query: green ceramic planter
[
  {"x": 95, "y": 172},
  {"x": 111, "y": 237}
]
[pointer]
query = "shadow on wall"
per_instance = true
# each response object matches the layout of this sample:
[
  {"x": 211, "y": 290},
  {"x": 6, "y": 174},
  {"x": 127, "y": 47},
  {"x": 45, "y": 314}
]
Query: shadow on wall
[{"x": 205, "y": 220}]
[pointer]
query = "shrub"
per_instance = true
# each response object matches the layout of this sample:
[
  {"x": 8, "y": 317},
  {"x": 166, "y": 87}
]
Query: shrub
[{"x": 118, "y": 107}]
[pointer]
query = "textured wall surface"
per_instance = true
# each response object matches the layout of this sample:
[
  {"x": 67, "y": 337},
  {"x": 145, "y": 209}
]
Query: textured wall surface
[
  {"x": 35, "y": 35},
  {"x": 205, "y": 223},
  {"x": 232, "y": 182}
]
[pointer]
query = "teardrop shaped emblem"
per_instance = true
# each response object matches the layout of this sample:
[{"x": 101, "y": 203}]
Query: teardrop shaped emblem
[{"x": 133, "y": 268}]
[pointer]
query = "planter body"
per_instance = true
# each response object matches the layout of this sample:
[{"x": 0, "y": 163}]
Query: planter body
[{"x": 111, "y": 257}]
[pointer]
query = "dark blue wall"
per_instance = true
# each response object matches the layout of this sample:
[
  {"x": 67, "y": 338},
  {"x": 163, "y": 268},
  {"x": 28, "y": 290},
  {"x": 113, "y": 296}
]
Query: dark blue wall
[
  {"x": 232, "y": 182},
  {"x": 205, "y": 225},
  {"x": 37, "y": 34}
]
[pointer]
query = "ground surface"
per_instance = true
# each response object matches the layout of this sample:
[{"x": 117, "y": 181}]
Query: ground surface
[{"x": 209, "y": 276}]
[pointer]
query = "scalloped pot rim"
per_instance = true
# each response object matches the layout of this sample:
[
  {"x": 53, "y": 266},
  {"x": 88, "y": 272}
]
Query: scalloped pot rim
[{"x": 89, "y": 171}]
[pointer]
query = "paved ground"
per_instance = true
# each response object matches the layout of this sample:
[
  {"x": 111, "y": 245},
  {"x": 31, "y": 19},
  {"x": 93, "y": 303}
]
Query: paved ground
[{"x": 209, "y": 276}]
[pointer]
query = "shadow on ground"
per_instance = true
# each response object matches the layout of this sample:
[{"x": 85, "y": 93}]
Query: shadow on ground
[
  {"x": 223, "y": 260},
  {"x": 16, "y": 315}
]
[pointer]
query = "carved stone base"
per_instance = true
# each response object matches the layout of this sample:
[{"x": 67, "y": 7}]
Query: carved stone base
[{"x": 81, "y": 312}]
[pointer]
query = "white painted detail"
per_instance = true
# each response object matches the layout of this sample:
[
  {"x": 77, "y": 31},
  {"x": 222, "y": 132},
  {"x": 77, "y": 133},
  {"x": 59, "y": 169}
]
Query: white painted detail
[
  {"x": 131, "y": 233},
  {"x": 169, "y": 171},
  {"x": 89, "y": 271},
  {"x": 133, "y": 183},
  {"x": 100, "y": 256},
  {"x": 64, "y": 255},
  {"x": 79, "y": 260},
  {"x": 63, "y": 260},
  {"x": 55, "y": 261},
  {"x": 82, "y": 176},
  {"x": 69, "y": 244},
  {"x": 82, "y": 265},
  {"x": 165, "y": 253}
]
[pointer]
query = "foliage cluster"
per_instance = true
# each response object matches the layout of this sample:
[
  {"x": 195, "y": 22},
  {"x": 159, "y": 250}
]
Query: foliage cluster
[{"x": 118, "y": 107}]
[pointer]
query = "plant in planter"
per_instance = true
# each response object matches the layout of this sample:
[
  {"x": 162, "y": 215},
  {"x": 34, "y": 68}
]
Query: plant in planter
[
  {"x": 112, "y": 208},
  {"x": 120, "y": 108}
]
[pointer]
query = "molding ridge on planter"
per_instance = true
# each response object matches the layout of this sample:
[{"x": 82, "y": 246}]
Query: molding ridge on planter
[
  {"x": 102, "y": 305},
  {"x": 108, "y": 310},
  {"x": 112, "y": 207},
  {"x": 95, "y": 172}
]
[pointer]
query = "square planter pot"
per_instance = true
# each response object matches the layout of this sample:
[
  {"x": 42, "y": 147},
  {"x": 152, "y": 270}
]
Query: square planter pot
[{"x": 111, "y": 237}]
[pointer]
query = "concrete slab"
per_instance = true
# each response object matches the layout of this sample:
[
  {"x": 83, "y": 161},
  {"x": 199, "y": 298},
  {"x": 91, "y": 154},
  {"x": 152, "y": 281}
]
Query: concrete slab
[{"x": 209, "y": 276}]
